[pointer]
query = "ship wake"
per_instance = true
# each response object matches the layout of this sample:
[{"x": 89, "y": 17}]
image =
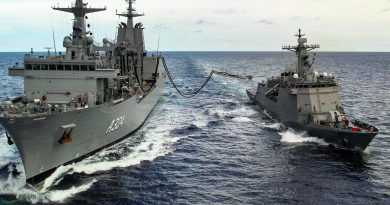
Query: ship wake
[
  {"x": 148, "y": 144},
  {"x": 292, "y": 136}
]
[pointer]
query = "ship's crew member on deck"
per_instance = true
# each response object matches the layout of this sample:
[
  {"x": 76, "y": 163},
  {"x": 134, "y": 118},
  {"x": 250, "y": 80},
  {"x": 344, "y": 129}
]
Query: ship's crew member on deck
[{"x": 336, "y": 117}]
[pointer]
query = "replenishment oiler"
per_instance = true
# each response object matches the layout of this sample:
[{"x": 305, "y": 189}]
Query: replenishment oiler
[
  {"x": 303, "y": 98},
  {"x": 90, "y": 97}
]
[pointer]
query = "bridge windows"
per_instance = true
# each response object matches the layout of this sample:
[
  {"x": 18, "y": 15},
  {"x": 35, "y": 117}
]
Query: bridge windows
[
  {"x": 76, "y": 67},
  {"x": 84, "y": 68},
  {"x": 36, "y": 67},
  {"x": 60, "y": 67}
]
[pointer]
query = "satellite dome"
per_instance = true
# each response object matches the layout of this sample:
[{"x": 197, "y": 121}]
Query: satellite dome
[{"x": 67, "y": 42}]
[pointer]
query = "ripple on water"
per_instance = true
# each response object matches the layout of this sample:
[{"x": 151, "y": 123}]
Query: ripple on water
[{"x": 219, "y": 149}]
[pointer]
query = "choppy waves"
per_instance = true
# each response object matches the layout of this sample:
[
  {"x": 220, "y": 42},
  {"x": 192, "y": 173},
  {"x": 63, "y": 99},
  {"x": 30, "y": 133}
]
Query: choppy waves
[{"x": 219, "y": 149}]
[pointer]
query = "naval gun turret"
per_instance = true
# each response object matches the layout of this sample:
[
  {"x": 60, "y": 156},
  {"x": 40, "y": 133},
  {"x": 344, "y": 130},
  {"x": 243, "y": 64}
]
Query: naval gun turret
[{"x": 303, "y": 98}]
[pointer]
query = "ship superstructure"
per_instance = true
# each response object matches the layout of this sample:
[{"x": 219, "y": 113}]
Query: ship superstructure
[
  {"x": 303, "y": 98},
  {"x": 81, "y": 101}
]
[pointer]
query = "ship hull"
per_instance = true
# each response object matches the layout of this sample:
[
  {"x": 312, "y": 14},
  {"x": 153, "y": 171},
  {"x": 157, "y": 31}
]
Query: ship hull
[
  {"x": 343, "y": 138},
  {"x": 38, "y": 139}
]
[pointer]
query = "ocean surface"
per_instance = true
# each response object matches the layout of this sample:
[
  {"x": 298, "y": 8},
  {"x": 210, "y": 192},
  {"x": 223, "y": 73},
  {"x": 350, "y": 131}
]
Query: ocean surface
[{"x": 217, "y": 148}]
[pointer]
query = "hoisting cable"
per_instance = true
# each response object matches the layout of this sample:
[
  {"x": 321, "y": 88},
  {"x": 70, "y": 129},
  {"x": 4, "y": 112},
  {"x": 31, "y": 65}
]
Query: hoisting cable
[
  {"x": 185, "y": 95},
  {"x": 136, "y": 73},
  {"x": 191, "y": 95},
  {"x": 242, "y": 77}
]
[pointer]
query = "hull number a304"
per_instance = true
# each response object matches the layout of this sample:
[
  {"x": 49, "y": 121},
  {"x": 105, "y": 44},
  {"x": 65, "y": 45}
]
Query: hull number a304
[{"x": 115, "y": 124}]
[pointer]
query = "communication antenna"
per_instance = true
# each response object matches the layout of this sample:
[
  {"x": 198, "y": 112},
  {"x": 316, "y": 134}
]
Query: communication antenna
[
  {"x": 55, "y": 47},
  {"x": 48, "y": 51},
  {"x": 158, "y": 42}
]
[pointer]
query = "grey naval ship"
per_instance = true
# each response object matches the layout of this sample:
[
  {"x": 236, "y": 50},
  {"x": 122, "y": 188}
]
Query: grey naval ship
[
  {"x": 86, "y": 99},
  {"x": 302, "y": 98}
]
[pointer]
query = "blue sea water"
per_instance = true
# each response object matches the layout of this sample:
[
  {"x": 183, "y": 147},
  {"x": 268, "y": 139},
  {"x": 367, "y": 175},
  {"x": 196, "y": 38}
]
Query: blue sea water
[{"x": 217, "y": 148}]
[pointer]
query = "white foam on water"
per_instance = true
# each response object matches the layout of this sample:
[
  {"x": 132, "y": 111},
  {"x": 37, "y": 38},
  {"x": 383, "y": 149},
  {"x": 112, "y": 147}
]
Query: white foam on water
[
  {"x": 55, "y": 178},
  {"x": 291, "y": 136},
  {"x": 244, "y": 111},
  {"x": 367, "y": 151},
  {"x": 8, "y": 158},
  {"x": 217, "y": 112},
  {"x": 148, "y": 150},
  {"x": 200, "y": 121},
  {"x": 13, "y": 183},
  {"x": 156, "y": 143},
  {"x": 58, "y": 196},
  {"x": 241, "y": 112},
  {"x": 62, "y": 195},
  {"x": 7, "y": 152},
  {"x": 16, "y": 185},
  {"x": 275, "y": 126},
  {"x": 268, "y": 115},
  {"x": 242, "y": 119}
]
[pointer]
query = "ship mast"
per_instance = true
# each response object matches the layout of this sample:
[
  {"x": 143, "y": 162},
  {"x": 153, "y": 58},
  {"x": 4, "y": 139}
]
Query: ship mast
[
  {"x": 130, "y": 14},
  {"x": 130, "y": 46},
  {"x": 79, "y": 10},
  {"x": 304, "y": 66}
]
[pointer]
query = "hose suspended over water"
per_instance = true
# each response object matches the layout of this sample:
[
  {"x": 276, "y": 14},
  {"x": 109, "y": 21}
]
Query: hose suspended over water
[
  {"x": 191, "y": 95},
  {"x": 185, "y": 95}
]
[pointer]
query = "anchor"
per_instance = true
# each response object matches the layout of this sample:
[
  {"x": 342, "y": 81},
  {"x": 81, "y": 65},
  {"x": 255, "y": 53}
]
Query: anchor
[
  {"x": 10, "y": 142},
  {"x": 66, "y": 137}
]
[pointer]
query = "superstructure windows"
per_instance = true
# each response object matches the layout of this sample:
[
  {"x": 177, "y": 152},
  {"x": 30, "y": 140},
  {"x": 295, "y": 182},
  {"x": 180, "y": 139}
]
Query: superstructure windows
[
  {"x": 60, "y": 67},
  {"x": 36, "y": 67}
]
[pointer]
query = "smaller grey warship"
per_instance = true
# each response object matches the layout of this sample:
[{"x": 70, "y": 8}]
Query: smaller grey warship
[
  {"x": 88, "y": 98},
  {"x": 302, "y": 98}
]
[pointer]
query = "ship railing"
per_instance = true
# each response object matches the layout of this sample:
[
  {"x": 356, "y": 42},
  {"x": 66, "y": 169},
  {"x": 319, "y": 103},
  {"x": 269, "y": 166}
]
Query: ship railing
[
  {"x": 312, "y": 46},
  {"x": 289, "y": 47},
  {"x": 314, "y": 85},
  {"x": 307, "y": 46},
  {"x": 345, "y": 124}
]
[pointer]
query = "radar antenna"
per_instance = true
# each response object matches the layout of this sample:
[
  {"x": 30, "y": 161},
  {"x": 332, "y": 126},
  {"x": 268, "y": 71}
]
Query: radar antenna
[
  {"x": 79, "y": 10},
  {"x": 301, "y": 50},
  {"x": 130, "y": 13}
]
